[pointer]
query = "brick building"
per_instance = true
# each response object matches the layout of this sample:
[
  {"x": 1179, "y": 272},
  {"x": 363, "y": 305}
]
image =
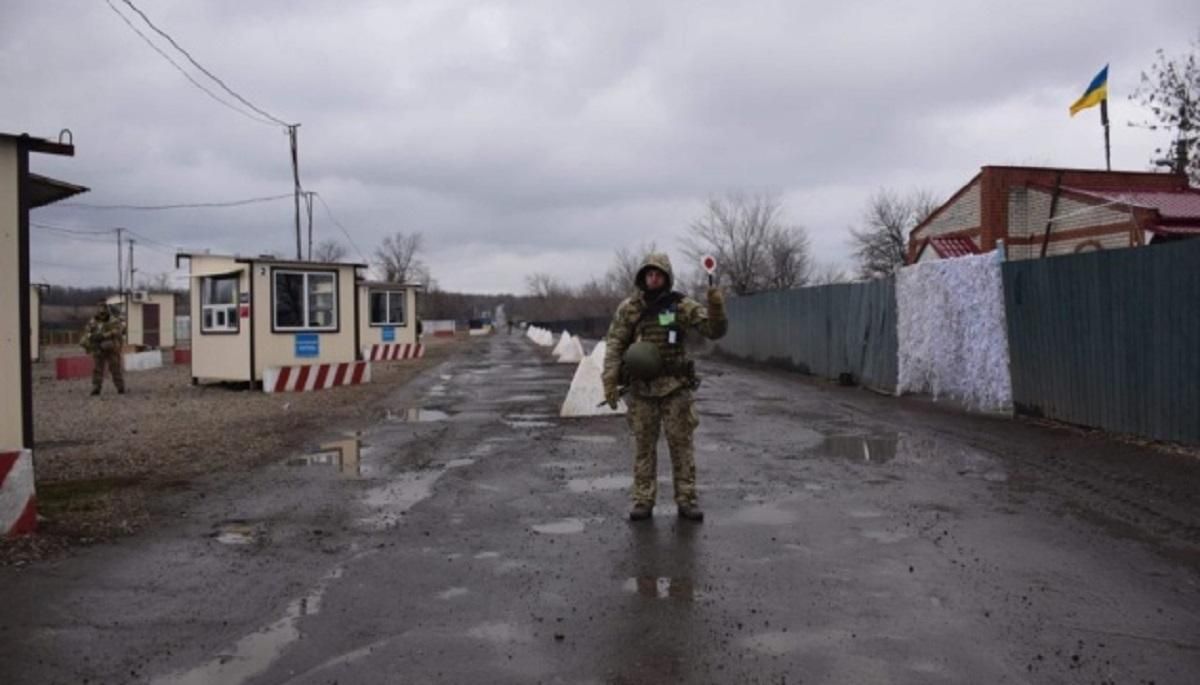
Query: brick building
[{"x": 1039, "y": 211}]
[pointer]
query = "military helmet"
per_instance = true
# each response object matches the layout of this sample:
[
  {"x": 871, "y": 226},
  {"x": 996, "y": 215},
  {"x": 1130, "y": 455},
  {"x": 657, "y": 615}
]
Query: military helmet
[{"x": 642, "y": 361}]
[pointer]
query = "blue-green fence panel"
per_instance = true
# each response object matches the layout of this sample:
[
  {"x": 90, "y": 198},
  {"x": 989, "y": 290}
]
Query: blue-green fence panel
[
  {"x": 829, "y": 330},
  {"x": 1109, "y": 339}
]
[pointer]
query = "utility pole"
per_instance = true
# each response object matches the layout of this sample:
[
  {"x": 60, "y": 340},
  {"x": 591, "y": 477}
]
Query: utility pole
[
  {"x": 296, "y": 178},
  {"x": 129, "y": 292},
  {"x": 120, "y": 265},
  {"x": 308, "y": 200}
]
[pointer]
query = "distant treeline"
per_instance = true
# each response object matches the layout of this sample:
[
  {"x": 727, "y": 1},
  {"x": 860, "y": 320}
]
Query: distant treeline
[{"x": 552, "y": 306}]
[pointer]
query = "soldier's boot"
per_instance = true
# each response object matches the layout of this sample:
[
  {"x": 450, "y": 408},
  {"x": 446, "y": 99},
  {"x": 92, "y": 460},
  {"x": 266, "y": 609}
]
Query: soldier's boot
[
  {"x": 641, "y": 512},
  {"x": 691, "y": 512}
]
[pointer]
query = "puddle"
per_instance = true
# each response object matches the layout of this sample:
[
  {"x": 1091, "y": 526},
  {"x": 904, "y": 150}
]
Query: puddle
[
  {"x": 500, "y": 632},
  {"x": 530, "y": 417},
  {"x": 884, "y": 536},
  {"x": 766, "y": 515},
  {"x": 398, "y": 496},
  {"x": 867, "y": 450},
  {"x": 342, "y": 455},
  {"x": 528, "y": 424},
  {"x": 864, "y": 513},
  {"x": 521, "y": 398},
  {"x": 481, "y": 450},
  {"x": 566, "y": 526},
  {"x": 662, "y": 587},
  {"x": 591, "y": 439},
  {"x": 783, "y": 643},
  {"x": 452, "y": 593},
  {"x": 488, "y": 555},
  {"x": 600, "y": 484},
  {"x": 237, "y": 533},
  {"x": 446, "y": 377},
  {"x": 459, "y": 463},
  {"x": 417, "y": 415},
  {"x": 254, "y": 654}
]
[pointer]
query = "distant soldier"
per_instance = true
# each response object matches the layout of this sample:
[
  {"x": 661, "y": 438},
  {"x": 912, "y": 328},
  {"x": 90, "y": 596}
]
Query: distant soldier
[
  {"x": 102, "y": 339},
  {"x": 646, "y": 354}
]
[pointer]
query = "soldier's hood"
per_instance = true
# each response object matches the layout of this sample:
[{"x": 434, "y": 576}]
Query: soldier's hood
[{"x": 657, "y": 260}]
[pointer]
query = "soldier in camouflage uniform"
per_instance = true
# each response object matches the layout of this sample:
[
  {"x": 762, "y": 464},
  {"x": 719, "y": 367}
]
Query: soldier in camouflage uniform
[
  {"x": 103, "y": 339},
  {"x": 657, "y": 315}
]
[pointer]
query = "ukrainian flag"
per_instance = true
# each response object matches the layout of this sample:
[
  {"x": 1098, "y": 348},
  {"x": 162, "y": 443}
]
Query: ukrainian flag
[{"x": 1097, "y": 91}]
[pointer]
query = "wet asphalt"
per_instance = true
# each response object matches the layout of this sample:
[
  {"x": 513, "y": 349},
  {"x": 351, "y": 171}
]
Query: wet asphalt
[{"x": 473, "y": 536}]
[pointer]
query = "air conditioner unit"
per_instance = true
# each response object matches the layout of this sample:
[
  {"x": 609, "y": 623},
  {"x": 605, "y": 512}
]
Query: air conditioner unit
[{"x": 140, "y": 296}]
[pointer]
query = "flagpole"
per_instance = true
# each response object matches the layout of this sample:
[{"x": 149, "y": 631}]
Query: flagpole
[{"x": 1104, "y": 122}]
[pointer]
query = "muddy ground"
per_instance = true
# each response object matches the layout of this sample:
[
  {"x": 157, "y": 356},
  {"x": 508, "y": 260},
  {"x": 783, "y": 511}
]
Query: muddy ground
[
  {"x": 474, "y": 536},
  {"x": 103, "y": 463}
]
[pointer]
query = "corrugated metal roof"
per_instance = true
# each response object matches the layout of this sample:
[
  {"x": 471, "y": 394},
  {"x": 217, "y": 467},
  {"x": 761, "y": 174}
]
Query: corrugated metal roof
[
  {"x": 1177, "y": 204},
  {"x": 953, "y": 246}
]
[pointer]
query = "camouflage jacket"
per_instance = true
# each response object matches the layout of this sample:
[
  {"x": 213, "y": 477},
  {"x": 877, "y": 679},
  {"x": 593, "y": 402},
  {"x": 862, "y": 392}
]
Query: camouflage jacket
[
  {"x": 664, "y": 321},
  {"x": 103, "y": 337}
]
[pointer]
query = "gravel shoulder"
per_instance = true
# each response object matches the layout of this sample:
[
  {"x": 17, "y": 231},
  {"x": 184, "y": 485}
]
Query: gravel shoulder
[{"x": 104, "y": 463}]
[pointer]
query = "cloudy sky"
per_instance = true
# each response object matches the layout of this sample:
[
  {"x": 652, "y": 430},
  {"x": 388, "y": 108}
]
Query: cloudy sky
[{"x": 543, "y": 135}]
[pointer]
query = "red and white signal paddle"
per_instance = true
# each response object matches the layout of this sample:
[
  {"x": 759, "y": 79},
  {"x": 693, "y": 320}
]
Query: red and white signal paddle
[{"x": 710, "y": 265}]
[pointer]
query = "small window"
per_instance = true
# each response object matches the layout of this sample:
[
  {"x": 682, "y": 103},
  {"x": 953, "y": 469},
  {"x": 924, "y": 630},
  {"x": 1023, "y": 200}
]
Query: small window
[
  {"x": 218, "y": 304},
  {"x": 387, "y": 307},
  {"x": 305, "y": 300}
]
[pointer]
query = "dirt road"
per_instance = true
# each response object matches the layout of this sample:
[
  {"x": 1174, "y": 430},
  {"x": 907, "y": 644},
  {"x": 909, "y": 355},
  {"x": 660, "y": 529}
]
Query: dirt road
[{"x": 476, "y": 537}]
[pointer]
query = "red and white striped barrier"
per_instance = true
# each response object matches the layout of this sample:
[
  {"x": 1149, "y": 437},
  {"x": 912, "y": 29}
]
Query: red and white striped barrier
[
  {"x": 315, "y": 376},
  {"x": 18, "y": 504},
  {"x": 394, "y": 351}
]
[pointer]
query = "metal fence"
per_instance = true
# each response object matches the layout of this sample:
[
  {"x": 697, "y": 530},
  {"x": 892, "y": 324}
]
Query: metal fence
[
  {"x": 1109, "y": 339},
  {"x": 845, "y": 331}
]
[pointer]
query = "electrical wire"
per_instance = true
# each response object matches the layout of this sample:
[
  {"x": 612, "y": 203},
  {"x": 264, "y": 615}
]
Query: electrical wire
[
  {"x": 73, "y": 231},
  {"x": 343, "y": 228},
  {"x": 194, "y": 82},
  {"x": 173, "y": 206},
  {"x": 204, "y": 71}
]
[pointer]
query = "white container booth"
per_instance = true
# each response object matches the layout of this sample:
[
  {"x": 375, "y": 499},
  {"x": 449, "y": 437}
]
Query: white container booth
[
  {"x": 149, "y": 318},
  {"x": 388, "y": 322},
  {"x": 280, "y": 324},
  {"x": 20, "y": 193}
]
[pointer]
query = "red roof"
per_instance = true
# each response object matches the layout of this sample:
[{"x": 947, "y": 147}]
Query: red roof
[
  {"x": 953, "y": 246},
  {"x": 1178, "y": 210}
]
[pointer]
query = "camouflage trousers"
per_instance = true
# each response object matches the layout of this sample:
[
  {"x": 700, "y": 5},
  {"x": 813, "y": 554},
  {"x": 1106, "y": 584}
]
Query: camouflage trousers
[
  {"x": 674, "y": 415},
  {"x": 111, "y": 360}
]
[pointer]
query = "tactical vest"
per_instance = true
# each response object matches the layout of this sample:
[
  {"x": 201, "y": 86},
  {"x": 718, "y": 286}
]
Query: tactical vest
[{"x": 659, "y": 324}]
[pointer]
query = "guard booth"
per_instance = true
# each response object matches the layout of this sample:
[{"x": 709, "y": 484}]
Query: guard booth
[
  {"x": 387, "y": 326},
  {"x": 149, "y": 318},
  {"x": 278, "y": 324},
  {"x": 20, "y": 192}
]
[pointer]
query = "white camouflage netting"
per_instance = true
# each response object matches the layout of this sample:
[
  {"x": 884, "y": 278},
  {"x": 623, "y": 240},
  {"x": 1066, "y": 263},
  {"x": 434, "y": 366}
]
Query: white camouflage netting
[{"x": 952, "y": 332}]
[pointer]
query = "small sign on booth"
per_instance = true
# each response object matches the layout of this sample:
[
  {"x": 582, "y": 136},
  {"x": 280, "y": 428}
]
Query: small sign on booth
[
  {"x": 389, "y": 334},
  {"x": 308, "y": 345}
]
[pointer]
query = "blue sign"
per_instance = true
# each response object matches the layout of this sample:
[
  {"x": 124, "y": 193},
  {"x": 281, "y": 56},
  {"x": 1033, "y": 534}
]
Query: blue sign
[
  {"x": 308, "y": 345},
  {"x": 389, "y": 334}
]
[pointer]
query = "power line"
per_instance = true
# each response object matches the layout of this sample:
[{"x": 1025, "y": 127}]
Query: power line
[
  {"x": 183, "y": 71},
  {"x": 187, "y": 205},
  {"x": 206, "y": 72},
  {"x": 339, "y": 225},
  {"x": 73, "y": 231}
]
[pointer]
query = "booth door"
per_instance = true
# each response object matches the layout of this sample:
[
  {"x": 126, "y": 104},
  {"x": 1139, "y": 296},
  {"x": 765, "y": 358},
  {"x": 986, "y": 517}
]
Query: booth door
[{"x": 150, "y": 336}]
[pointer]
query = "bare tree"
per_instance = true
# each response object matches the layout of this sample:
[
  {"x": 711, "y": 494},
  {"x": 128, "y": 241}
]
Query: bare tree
[
  {"x": 1171, "y": 91},
  {"x": 397, "y": 258},
  {"x": 626, "y": 262},
  {"x": 826, "y": 274},
  {"x": 158, "y": 282},
  {"x": 753, "y": 247},
  {"x": 788, "y": 258},
  {"x": 329, "y": 250},
  {"x": 881, "y": 245}
]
